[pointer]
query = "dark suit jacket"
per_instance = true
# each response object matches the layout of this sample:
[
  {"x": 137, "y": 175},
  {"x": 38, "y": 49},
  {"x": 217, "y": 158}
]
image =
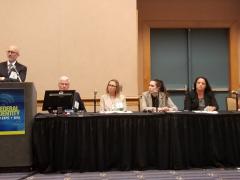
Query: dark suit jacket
[
  {"x": 191, "y": 101},
  {"x": 79, "y": 100},
  {"x": 22, "y": 70}
]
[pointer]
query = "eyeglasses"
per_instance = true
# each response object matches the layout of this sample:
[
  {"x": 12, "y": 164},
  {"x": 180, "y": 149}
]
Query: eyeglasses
[
  {"x": 12, "y": 52},
  {"x": 64, "y": 84},
  {"x": 111, "y": 85}
]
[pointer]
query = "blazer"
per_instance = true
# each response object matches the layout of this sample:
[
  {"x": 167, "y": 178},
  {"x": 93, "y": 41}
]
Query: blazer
[
  {"x": 191, "y": 101},
  {"x": 22, "y": 70},
  {"x": 109, "y": 104},
  {"x": 79, "y": 100},
  {"x": 146, "y": 103}
]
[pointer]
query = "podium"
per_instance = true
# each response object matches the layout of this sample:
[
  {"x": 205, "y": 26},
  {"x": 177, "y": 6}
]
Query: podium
[{"x": 16, "y": 150}]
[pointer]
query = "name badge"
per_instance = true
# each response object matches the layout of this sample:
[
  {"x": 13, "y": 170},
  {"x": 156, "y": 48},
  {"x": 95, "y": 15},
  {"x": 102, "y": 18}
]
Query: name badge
[{"x": 13, "y": 75}]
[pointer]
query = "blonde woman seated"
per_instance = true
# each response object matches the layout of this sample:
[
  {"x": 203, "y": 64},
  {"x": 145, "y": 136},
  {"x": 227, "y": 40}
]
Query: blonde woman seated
[
  {"x": 156, "y": 98},
  {"x": 113, "y": 100}
]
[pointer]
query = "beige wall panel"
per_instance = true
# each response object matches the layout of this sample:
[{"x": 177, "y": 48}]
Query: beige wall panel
[{"x": 89, "y": 41}]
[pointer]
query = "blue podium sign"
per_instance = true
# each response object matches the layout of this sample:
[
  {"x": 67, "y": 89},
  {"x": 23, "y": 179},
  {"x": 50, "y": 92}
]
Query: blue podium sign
[{"x": 12, "y": 112}]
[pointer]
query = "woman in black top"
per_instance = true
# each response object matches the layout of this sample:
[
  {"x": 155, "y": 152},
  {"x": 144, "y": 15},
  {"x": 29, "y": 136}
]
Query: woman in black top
[{"x": 201, "y": 97}]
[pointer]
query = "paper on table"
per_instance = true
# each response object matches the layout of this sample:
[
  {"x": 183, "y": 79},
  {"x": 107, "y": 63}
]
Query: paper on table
[
  {"x": 207, "y": 112},
  {"x": 173, "y": 111},
  {"x": 110, "y": 112}
]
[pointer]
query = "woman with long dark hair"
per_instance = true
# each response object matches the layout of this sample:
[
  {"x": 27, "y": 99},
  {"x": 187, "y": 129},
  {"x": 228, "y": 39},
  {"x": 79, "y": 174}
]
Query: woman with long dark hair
[{"x": 201, "y": 97}]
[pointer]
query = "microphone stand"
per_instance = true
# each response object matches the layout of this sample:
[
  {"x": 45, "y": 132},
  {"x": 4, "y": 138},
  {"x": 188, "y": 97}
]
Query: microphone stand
[
  {"x": 94, "y": 100},
  {"x": 186, "y": 101},
  {"x": 139, "y": 102},
  {"x": 236, "y": 101}
]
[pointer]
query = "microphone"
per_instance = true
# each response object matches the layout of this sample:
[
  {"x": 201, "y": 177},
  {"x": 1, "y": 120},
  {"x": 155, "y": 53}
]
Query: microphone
[
  {"x": 94, "y": 99},
  {"x": 235, "y": 92},
  {"x": 15, "y": 69}
]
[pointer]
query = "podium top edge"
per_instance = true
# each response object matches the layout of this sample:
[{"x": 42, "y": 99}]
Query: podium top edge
[{"x": 4, "y": 82}]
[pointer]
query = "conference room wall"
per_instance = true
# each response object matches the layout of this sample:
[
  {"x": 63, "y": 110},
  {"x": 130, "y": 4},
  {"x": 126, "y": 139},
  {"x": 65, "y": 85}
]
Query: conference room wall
[
  {"x": 90, "y": 41},
  {"x": 189, "y": 14}
]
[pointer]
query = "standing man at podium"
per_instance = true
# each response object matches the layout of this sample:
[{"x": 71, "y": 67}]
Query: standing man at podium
[{"x": 11, "y": 70}]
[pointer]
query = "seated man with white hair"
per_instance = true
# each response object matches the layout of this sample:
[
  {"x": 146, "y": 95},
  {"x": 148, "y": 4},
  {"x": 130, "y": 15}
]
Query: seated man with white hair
[{"x": 64, "y": 84}]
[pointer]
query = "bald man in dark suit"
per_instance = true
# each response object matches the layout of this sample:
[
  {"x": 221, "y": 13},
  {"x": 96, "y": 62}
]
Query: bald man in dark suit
[{"x": 11, "y": 70}]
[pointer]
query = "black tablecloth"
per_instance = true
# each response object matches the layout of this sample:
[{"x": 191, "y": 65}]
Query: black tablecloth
[{"x": 96, "y": 142}]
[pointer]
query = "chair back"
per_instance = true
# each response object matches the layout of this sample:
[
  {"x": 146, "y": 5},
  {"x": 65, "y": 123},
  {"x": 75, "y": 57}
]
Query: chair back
[{"x": 231, "y": 104}]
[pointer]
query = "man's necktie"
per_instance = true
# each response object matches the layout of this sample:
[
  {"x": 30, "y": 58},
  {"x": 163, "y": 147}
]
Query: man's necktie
[{"x": 9, "y": 68}]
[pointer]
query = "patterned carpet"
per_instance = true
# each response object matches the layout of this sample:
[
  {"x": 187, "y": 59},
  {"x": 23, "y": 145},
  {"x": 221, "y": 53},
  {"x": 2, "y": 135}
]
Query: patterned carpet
[{"x": 199, "y": 174}]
